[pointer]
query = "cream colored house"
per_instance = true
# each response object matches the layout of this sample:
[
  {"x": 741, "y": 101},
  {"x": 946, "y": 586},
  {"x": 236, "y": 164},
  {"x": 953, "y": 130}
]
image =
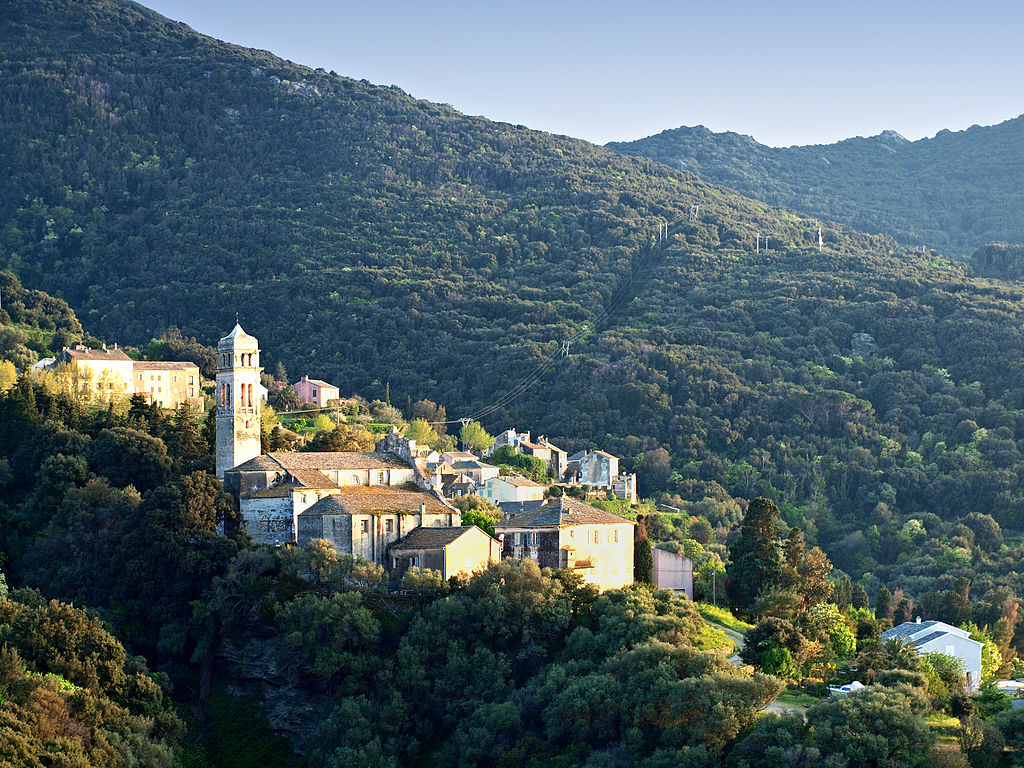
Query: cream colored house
[
  {"x": 566, "y": 533},
  {"x": 105, "y": 373},
  {"x": 511, "y": 488},
  {"x": 168, "y": 383},
  {"x": 451, "y": 551}
]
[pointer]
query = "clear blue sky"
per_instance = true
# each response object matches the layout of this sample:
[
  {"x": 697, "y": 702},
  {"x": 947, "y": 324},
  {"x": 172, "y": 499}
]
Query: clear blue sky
[{"x": 784, "y": 72}]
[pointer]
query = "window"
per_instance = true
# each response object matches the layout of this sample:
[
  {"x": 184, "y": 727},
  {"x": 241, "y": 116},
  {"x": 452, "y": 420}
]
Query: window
[
  {"x": 191, "y": 379},
  {"x": 303, "y": 498},
  {"x": 191, "y": 392},
  {"x": 141, "y": 377},
  {"x": 616, "y": 537},
  {"x": 389, "y": 526},
  {"x": 380, "y": 477},
  {"x": 174, "y": 378},
  {"x": 365, "y": 526}
]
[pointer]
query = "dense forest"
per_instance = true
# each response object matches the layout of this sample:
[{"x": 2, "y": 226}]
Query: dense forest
[
  {"x": 951, "y": 192},
  {"x": 158, "y": 182},
  {"x": 158, "y": 178}
]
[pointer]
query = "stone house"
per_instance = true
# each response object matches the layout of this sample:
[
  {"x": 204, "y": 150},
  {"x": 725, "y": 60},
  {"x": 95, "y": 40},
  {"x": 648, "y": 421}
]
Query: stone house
[
  {"x": 365, "y": 521},
  {"x": 509, "y": 438},
  {"x": 317, "y": 392},
  {"x": 451, "y": 458},
  {"x": 624, "y": 487},
  {"x": 593, "y": 468},
  {"x": 511, "y": 488},
  {"x": 452, "y": 551},
  {"x": 937, "y": 636},
  {"x": 455, "y": 484},
  {"x": 274, "y": 488},
  {"x": 566, "y": 533}
]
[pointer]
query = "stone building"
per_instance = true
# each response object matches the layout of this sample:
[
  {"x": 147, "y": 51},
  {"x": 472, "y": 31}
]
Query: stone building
[
  {"x": 553, "y": 457},
  {"x": 274, "y": 488},
  {"x": 364, "y": 521},
  {"x": 566, "y": 533},
  {"x": 451, "y": 551},
  {"x": 237, "y": 401}
]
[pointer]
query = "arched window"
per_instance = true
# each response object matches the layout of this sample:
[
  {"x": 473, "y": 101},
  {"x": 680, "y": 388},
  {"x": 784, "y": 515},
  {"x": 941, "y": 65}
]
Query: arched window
[
  {"x": 250, "y": 394},
  {"x": 223, "y": 395}
]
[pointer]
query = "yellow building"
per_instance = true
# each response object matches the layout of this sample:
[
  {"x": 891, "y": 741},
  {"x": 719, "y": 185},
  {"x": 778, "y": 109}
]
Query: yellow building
[
  {"x": 105, "y": 373},
  {"x": 566, "y": 533},
  {"x": 451, "y": 551},
  {"x": 168, "y": 384}
]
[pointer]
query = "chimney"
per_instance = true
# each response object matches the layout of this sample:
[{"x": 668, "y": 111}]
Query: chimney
[{"x": 918, "y": 620}]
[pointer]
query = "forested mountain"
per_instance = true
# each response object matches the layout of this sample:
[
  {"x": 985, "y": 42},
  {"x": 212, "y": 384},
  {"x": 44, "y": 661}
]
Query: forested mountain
[
  {"x": 155, "y": 177},
  {"x": 953, "y": 192}
]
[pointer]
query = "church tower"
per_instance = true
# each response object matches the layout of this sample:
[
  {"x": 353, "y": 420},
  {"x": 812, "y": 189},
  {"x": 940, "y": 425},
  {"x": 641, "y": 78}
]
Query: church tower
[{"x": 238, "y": 400}]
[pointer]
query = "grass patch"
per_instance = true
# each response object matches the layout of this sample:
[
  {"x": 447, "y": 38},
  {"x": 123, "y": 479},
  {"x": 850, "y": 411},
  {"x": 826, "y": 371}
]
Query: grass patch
[
  {"x": 797, "y": 698},
  {"x": 724, "y": 617},
  {"x": 711, "y": 639},
  {"x": 946, "y": 727}
]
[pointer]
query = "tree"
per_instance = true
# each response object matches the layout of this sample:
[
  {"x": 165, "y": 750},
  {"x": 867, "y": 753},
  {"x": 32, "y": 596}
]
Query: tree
[
  {"x": 126, "y": 456},
  {"x": 755, "y": 556},
  {"x": 474, "y": 437},
  {"x": 772, "y": 633},
  {"x": 343, "y": 437},
  {"x": 883, "y": 604},
  {"x": 422, "y": 432},
  {"x": 872, "y": 729},
  {"x": 643, "y": 555},
  {"x": 859, "y": 596}
]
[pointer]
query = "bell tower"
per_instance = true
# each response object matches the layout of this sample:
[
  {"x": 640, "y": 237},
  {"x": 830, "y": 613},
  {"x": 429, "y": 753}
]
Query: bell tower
[{"x": 238, "y": 400}]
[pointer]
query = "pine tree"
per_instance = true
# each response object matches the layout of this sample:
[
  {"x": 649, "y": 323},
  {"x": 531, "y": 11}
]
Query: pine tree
[
  {"x": 883, "y": 604},
  {"x": 756, "y": 555}
]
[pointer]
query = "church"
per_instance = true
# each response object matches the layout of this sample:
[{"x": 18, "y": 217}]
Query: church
[{"x": 365, "y": 503}]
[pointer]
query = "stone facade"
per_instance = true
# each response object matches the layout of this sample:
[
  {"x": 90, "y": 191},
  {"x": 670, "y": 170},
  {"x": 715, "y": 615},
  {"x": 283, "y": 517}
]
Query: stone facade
[
  {"x": 237, "y": 401},
  {"x": 364, "y": 522}
]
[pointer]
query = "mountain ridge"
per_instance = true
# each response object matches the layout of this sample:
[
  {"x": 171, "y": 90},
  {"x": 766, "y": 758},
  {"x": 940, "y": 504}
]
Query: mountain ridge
[{"x": 951, "y": 191}]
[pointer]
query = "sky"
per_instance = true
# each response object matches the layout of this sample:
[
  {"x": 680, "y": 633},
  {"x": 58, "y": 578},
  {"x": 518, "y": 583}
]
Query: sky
[{"x": 783, "y": 72}]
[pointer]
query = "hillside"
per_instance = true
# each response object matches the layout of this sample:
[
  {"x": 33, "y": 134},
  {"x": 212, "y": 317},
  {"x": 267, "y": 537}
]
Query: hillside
[
  {"x": 954, "y": 192},
  {"x": 156, "y": 177}
]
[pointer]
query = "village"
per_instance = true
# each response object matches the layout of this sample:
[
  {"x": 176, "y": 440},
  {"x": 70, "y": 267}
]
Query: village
[{"x": 401, "y": 504}]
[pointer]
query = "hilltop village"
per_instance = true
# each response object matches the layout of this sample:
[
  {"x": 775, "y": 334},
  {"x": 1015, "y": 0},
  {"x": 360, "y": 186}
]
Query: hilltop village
[
  {"x": 398, "y": 504},
  {"x": 392, "y": 506}
]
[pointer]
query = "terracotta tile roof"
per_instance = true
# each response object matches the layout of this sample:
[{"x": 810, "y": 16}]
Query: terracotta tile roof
[
  {"x": 316, "y": 382},
  {"x": 561, "y": 512},
  {"x": 431, "y": 537},
  {"x": 357, "y": 500},
  {"x": 533, "y": 446},
  {"x": 474, "y": 464}
]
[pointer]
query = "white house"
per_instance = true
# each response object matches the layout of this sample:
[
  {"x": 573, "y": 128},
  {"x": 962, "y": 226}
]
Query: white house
[
  {"x": 511, "y": 488},
  {"x": 939, "y": 637}
]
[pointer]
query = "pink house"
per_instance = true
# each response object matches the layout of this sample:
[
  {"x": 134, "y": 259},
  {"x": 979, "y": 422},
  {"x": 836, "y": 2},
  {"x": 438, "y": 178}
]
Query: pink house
[{"x": 320, "y": 393}]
